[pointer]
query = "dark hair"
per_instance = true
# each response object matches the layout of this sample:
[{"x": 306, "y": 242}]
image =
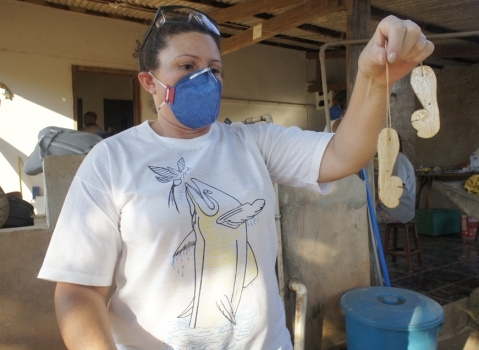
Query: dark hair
[
  {"x": 90, "y": 114},
  {"x": 158, "y": 40}
]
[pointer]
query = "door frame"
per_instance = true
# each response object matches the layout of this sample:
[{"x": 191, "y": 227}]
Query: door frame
[{"x": 101, "y": 70}]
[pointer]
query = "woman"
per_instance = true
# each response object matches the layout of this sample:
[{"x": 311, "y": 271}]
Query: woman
[{"x": 180, "y": 210}]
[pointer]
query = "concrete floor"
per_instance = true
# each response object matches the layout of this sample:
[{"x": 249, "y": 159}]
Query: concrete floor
[
  {"x": 466, "y": 340},
  {"x": 450, "y": 269},
  {"x": 450, "y": 276}
]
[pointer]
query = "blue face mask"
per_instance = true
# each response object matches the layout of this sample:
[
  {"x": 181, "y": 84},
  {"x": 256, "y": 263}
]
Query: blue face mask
[{"x": 195, "y": 99}]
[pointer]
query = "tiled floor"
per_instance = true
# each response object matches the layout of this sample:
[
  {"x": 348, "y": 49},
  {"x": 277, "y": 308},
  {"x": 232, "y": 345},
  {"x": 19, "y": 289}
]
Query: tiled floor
[{"x": 450, "y": 271}]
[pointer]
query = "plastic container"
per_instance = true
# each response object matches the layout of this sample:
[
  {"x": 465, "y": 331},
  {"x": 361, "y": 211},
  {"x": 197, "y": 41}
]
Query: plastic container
[
  {"x": 471, "y": 231},
  {"x": 464, "y": 225},
  {"x": 436, "y": 222},
  {"x": 379, "y": 318}
]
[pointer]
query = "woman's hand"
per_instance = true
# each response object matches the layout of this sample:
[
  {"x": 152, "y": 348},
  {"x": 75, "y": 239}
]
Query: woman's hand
[
  {"x": 355, "y": 141},
  {"x": 401, "y": 43}
]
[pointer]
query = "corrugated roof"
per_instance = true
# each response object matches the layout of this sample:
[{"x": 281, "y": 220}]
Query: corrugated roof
[{"x": 306, "y": 24}]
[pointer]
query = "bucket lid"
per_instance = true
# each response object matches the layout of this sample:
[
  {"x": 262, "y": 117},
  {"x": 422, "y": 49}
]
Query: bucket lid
[{"x": 392, "y": 308}]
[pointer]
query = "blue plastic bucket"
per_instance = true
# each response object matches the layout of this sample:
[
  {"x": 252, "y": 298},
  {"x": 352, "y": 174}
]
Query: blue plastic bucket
[{"x": 379, "y": 318}]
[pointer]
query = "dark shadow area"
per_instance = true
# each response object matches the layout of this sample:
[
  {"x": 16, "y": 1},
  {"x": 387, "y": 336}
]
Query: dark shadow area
[{"x": 450, "y": 271}]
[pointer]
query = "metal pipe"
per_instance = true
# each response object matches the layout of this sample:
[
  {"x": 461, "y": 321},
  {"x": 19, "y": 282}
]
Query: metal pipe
[
  {"x": 278, "y": 103},
  {"x": 300, "y": 312},
  {"x": 279, "y": 258},
  {"x": 20, "y": 169},
  {"x": 322, "y": 56},
  {"x": 324, "y": 82}
]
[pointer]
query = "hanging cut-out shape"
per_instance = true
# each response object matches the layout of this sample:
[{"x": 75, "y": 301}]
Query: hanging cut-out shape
[
  {"x": 390, "y": 187},
  {"x": 426, "y": 120}
]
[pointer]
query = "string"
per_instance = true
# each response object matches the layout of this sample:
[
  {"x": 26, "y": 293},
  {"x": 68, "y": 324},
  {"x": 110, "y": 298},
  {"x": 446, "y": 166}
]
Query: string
[{"x": 388, "y": 106}]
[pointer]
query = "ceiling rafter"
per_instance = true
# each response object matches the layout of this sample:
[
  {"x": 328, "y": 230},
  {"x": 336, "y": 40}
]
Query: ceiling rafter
[
  {"x": 457, "y": 51},
  {"x": 249, "y": 8},
  {"x": 378, "y": 14},
  {"x": 296, "y": 16},
  {"x": 212, "y": 3},
  {"x": 302, "y": 24}
]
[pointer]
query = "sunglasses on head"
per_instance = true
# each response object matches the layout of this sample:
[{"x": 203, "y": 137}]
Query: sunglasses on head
[{"x": 181, "y": 14}]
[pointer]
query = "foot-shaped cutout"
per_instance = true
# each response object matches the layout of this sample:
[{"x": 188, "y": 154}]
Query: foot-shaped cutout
[
  {"x": 425, "y": 121},
  {"x": 389, "y": 187}
]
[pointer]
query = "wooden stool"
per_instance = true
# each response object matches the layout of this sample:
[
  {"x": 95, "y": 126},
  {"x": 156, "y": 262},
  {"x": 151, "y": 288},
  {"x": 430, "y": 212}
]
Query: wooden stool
[{"x": 406, "y": 251}]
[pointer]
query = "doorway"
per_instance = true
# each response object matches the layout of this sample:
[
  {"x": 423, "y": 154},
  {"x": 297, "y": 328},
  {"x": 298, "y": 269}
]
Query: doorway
[
  {"x": 118, "y": 115},
  {"x": 113, "y": 94}
]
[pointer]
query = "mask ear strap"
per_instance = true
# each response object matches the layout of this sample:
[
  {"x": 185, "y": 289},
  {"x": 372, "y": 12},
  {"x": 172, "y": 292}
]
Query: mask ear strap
[{"x": 170, "y": 91}]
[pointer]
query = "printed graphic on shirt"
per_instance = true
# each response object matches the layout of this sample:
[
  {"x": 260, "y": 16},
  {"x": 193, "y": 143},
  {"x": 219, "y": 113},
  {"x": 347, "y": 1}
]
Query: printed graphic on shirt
[
  {"x": 179, "y": 334},
  {"x": 224, "y": 262},
  {"x": 175, "y": 176}
]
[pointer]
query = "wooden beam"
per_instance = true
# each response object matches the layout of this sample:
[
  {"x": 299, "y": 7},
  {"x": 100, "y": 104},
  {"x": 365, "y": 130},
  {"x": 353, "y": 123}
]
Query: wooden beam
[
  {"x": 249, "y": 8},
  {"x": 357, "y": 27},
  {"x": 276, "y": 25},
  {"x": 455, "y": 51},
  {"x": 314, "y": 87},
  {"x": 328, "y": 55}
]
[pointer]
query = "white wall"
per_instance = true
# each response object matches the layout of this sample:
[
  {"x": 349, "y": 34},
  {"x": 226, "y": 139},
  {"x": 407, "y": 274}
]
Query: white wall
[
  {"x": 42, "y": 98},
  {"x": 40, "y": 45},
  {"x": 35, "y": 59},
  {"x": 264, "y": 79}
]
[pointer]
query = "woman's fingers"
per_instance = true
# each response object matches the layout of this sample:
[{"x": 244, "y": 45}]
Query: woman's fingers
[
  {"x": 421, "y": 50},
  {"x": 401, "y": 43},
  {"x": 405, "y": 40}
]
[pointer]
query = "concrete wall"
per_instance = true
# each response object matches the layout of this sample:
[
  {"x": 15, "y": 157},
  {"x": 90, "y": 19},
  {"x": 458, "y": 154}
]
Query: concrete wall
[
  {"x": 59, "y": 174},
  {"x": 325, "y": 246},
  {"x": 403, "y": 104},
  {"x": 458, "y": 107},
  {"x": 27, "y": 316}
]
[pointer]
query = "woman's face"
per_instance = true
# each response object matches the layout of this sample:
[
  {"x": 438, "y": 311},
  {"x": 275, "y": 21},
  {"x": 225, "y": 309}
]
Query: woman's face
[
  {"x": 184, "y": 54},
  {"x": 187, "y": 53}
]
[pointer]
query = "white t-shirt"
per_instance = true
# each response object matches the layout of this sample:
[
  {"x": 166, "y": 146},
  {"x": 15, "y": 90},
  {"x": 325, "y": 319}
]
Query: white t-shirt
[{"x": 186, "y": 228}]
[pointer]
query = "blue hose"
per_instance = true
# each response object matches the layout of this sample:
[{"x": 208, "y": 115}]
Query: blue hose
[{"x": 372, "y": 213}]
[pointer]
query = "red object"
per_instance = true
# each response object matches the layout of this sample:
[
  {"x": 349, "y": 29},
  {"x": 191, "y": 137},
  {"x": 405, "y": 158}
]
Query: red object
[
  {"x": 170, "y": 94},
  {"x": 472, "y": 225},
  {"x": 463, "y": 225}
]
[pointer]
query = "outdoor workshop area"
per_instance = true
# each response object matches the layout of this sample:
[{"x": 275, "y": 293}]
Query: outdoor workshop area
[{"x": 347, "y": 277}]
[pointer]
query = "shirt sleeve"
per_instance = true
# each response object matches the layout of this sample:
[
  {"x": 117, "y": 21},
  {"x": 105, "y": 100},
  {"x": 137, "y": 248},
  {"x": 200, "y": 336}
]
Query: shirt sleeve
[
  {"x": 86, "y": 241},
  {"x": 292, "y": 156}
]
